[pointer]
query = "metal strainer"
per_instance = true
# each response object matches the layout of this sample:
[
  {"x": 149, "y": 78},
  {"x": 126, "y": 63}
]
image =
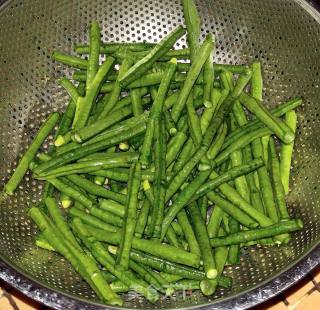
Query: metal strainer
[{"x": 284, "y": 35}]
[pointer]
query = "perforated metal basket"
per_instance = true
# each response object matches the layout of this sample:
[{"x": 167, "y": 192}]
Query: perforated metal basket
[{"x": 284, "y": 35}]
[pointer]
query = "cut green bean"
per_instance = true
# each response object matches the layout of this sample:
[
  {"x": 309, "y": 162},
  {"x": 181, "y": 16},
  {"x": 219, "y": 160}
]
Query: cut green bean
[
  {"x": 286, "y": 152},
  {"x": 258, "y": 233},
  {"x": 94, "y": 53},
  {"x": 203, "y": 241},
  {"x": 69, "y": 60},
  {"x": 84, "y": 104},
  {"x": 188, "y": 232},
  {"x": 130, "y": 217},
  {"x": 192, "y": 75},
  {"x": 278, "y": 189},
  {"x": 29, "y": 155},
  {"x": 282, "y": 131}
]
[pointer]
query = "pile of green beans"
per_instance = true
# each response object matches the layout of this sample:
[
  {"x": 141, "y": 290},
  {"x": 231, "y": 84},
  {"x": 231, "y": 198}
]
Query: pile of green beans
[{"x": 166, "y": 164}]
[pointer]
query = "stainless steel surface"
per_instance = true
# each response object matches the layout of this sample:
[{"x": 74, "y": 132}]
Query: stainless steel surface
[{"x": 284, "y": 35}]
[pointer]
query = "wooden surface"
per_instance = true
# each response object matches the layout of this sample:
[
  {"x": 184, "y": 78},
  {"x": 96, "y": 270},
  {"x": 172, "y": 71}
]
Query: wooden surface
[{"x": 305, "y": 295}]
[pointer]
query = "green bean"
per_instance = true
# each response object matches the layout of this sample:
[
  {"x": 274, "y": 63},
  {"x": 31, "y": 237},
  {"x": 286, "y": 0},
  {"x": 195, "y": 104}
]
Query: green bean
[
  {"x": 233, "y": 255},
  {"x": 193, "y": 121},
  {"x": 240, "y": 182},
  {"x": 265, "y": 148},
  {"x": 80, "y": 261},
  {"x": 135, "y": 95},
  {"x": 203, "y": 206},
  {"x": 130, "y": 217},
  {"x": 188, "y": 232},
  {"x": 203, "y": 241},
  {"x": 81, "y": 76},
  {"x": 256, "y": 82},
  {"x": 218, "y": 141},
  {"x": 231, "y": 194},
  {"x": 69, "y": 60},
  {"x": 121, "y": 174},
  {"x": 145, "y": 152},
  {"x": 192, "y": 75},
  {"x": 221, "y": 255},
  {"x": 42, "y": 243},
  {"x": 208, "y": 78},
  {"x": 265, "y": 184},
  {"x": 116, "y": 90},
  {"x": 142, "y": 219},
  {"x": 102, "y": 124},
  {"x": 143, "y": 65},
  {"x": 208, "y": 286},
  {"x": 226, "y": 78},
  {"x": 184, "y": 156},
  {"x": 172, "y": 238},
  {"x": 75, "y": 212},
  {"x": 94, "y": 53},
  {"x": 155, "y": 248},
  {"x": 29, "y": 155},
  {"x": 232, "y": 68},
  {"x": 121, "y": 132},
  {"x": 214, "y": 222},
  {"x": 111, "y": 47},
  {"x": 282, "y": 131},
  {"x": 105, "y": 216},
  {"x": 182, "y": 199},
  {"x": 89, "y": 165},
  {"x": 106, "y": 260},
  {"x": 112, "y": 206},
  {"x": 154, "y": 78},
  {"x": 209, "y": 112},
  {"x": 155, "y": 112},
  {"x": 183, "y": 53},
  {"x": 169, "y": 123},
  {"x": 278, "y": 189},
  {"x": 286, "y": 152},
  {"x": 84, "y": 104},
  {"x": 110, "y": 156},
  {"x": 164, "y": 265},
  {"x": 174, "y": 147},
  {"x": 253, "y": 125},
  {"x": 159, "y": 175},
  {"x": 236, "y": 69},
  {"x": 258, "y": 233},
  {"x": 192, "y": 21}
]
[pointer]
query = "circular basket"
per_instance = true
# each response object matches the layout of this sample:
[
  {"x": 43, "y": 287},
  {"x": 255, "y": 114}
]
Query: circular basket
[{"x": 284, "y": 35}]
